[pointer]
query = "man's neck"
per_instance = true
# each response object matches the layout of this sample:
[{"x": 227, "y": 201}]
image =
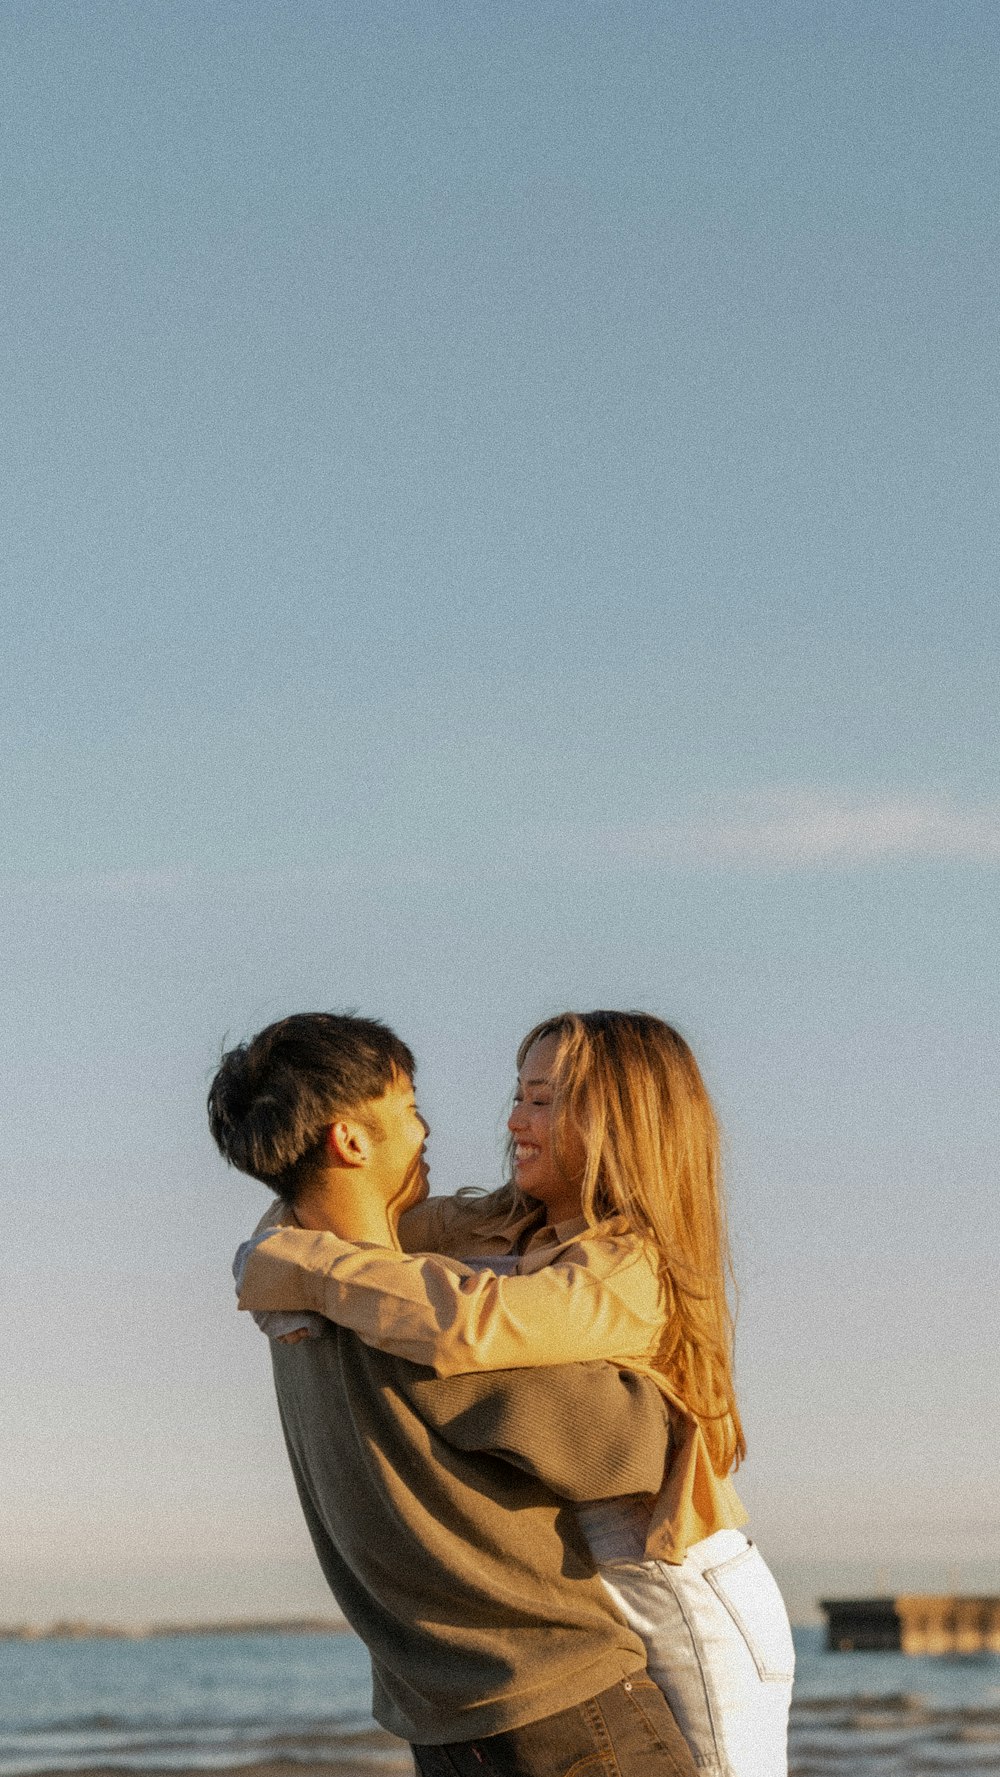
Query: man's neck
[{"x": 340, "y": 1201}]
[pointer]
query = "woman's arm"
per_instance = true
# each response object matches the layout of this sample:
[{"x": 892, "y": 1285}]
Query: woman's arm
[{"x": 602, "y": 1298}]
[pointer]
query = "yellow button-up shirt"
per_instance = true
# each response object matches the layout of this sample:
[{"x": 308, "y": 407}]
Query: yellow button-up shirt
[{"x": 578, "y": 1294}]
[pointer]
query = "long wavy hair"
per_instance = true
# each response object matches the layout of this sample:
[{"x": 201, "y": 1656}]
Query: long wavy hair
[{"x": 630, "y": 1089}]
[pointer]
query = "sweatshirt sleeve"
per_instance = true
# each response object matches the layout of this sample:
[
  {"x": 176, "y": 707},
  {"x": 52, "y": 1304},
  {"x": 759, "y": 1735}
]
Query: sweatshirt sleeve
[
  {"x": 601, "y": 1299},
  {"x": 589, "y": 1431}
]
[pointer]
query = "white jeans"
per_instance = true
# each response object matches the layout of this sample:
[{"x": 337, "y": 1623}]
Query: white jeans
[{"x": 717, "y": 1638}]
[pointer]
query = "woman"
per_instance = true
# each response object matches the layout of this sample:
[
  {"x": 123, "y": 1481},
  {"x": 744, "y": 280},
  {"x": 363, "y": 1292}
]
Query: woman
[{"x": 609, "y": 1243}]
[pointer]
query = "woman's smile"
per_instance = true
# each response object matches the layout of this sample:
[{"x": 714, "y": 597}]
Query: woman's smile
[{"x": 538, "y": 1169}]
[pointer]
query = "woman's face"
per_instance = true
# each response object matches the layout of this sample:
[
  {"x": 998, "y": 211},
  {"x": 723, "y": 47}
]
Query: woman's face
[{"x": 536, "y": 1170}]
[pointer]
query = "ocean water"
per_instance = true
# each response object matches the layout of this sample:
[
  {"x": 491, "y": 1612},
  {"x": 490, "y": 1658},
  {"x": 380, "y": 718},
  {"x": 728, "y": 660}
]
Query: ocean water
[
  {"x": 893, "y": 1715},
  {"x": 295, "y": 1702},
  {"x": 191, "y": 1703}
]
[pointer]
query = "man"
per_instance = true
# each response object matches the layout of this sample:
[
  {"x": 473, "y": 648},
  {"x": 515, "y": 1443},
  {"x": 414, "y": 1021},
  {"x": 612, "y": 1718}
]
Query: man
[{"x": 437, "y": 1507}]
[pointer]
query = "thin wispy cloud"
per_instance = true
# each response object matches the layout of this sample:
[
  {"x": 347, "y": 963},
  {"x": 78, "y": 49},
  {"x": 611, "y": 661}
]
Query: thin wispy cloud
[
  {"x": 188, "y": 883},
  {"x": 809, "y": 829},
  {"x": 103, "y": 887},
  {"x": 125, "y": 886},
  {"x": 788, "y": 830}
]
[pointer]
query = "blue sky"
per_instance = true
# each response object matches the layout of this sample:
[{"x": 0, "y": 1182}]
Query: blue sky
[{"x": 501, "y": 514}]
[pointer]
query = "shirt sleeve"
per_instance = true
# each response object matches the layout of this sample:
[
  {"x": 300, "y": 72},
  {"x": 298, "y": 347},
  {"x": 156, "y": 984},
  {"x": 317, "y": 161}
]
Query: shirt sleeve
[
  {"x": 600, "y": 1299},
  {"x": 420, "y": 1227}
]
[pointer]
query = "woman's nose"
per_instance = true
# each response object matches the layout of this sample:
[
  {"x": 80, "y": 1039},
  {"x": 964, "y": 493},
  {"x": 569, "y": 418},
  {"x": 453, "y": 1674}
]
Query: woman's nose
[{"x": 514, "y": 1120}]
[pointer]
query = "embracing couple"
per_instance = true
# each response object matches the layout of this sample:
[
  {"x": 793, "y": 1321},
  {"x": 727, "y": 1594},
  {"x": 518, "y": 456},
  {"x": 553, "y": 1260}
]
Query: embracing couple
[{"x": 511, "y": 1417}]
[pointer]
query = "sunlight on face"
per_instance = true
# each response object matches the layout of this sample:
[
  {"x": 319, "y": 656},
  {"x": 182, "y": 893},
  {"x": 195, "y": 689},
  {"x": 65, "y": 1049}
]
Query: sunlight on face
[
  {"x": 536, "y": 1167},
  {"x": 401, "y": 1133}
]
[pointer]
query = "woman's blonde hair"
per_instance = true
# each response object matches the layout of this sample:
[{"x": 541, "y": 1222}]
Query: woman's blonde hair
[{"x": 628, "y": 1087}]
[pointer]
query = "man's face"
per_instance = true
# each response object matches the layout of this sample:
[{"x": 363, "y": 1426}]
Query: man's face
[{"x": 397, "y": 1168}]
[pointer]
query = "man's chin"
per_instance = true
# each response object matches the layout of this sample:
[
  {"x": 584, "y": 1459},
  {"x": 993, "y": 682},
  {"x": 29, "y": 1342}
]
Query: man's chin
[{"x": 414, "y": 1190}]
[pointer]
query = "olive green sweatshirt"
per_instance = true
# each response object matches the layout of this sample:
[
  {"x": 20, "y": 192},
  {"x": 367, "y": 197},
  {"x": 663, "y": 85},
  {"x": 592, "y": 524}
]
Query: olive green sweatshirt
[{"x": 438, "y": 1510}]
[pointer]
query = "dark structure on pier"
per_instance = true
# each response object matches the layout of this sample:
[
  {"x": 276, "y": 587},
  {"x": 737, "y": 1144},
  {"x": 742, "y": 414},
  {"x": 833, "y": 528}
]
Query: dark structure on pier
[{"x": 913, "y": 1623}]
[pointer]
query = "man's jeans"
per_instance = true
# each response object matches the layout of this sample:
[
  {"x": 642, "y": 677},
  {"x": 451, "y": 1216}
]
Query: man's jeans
[{"x": 628, "y": 1731}]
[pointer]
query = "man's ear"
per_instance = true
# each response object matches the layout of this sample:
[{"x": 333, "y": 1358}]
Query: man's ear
[{"x": 347, "y": 1143}]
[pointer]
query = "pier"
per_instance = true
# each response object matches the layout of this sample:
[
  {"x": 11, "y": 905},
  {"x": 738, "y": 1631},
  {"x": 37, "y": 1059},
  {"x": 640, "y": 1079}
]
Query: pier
[{"x": 913, "y": 1623}]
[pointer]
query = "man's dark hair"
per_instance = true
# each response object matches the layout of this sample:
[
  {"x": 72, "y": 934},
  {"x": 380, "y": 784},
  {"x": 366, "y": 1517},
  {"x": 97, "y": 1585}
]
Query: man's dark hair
[{"x": 273, "y": 1098}]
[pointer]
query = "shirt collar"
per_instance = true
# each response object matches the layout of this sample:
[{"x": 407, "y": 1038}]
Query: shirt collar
[
  {"x": 575, "y": 1228},
  {"x": 557, "y": 1233}
]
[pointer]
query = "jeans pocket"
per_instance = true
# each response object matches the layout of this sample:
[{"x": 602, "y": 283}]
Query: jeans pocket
[{"x": 748, "y": 1590}]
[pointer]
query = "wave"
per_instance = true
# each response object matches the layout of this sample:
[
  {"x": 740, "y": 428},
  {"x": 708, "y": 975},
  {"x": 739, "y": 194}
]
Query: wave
[
  {"x": 896, "y": 1735},
  {"x": 153, "y": 1720},
  {"x": 202, "y": 1747}
]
